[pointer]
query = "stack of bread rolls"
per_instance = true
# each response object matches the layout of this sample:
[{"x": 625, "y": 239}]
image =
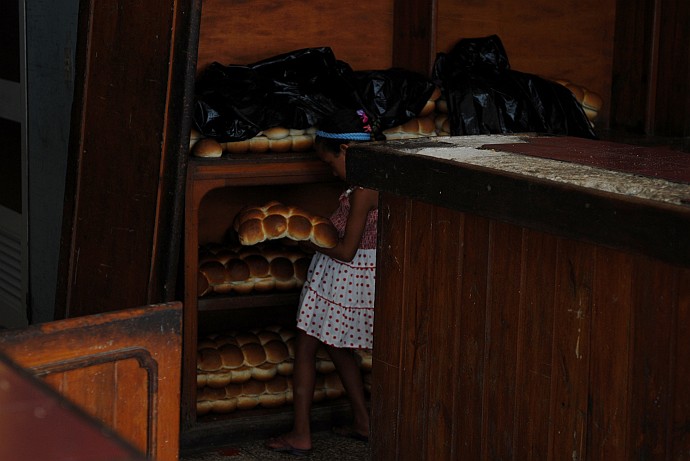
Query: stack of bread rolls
[
  {"x": 419, "y": 127},
  {"x": 441, "y": 120},
  {"x": 276, "y": 139},
  {"x": 244, "y": 370},
  {"x": 225, "y": 269},
  {"x": 591, "y": 102},
  {"x": 274, "y": 220},
  {"x": 423, "y": 125}
]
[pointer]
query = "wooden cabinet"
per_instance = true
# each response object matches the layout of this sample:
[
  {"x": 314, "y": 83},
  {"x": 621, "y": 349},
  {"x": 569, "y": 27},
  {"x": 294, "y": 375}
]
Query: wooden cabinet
[
  {"x": 216, "y": 191},
  {"x": 529, "y": 311},
  {"x": 122, "y": 368}
]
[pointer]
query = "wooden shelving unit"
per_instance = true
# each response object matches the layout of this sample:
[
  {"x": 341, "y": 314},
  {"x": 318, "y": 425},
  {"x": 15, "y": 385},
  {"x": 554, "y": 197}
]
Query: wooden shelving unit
[{"x": 215, "y": 191}]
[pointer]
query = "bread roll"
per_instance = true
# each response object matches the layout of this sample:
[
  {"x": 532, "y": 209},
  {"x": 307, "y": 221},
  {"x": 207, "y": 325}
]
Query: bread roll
[
  {"x": 214, "y": 271},
  {"x": 209, "y": 360},
  {"x": 301, "y": 143},
  {"x": 282, "y": 269},
  {"x": 276, "y": 352},
  {"x": 234, "y": 385},
  {"x": 203, "y": 287},
  {"x": 286, "y": 368},
  {"x": 236, "y": 147},
  {"x": 272, "y": 400},
  {"x": 591, "y": 102},
  {"x": 218, "y": 380},
  {"x": 194, "y": 137},
  {"x": 203, "y": 407},
  {"x": 207, "y": 148},
  {"x": 364, "y": 358},
  {"x": 426, "y": 126},
  {"x": 231, "y": 356},
  {"x": 254, "y": 354},
  {"x": 280, "y": 145},
  {"x": 225, "y": 405},
  {"x": 259, "y": 144},
  {"x": 277, "y": 132},
  {"x": 301, "y": 270},
  {"x": 278, "y": 385},
  {"x": 255, "y": 224},
  {"x": 264, "y": 372},
  {"x": 249, "y": 398},
  {"x": 246, "y": 337},
  {"x": 441, "y": 106}
]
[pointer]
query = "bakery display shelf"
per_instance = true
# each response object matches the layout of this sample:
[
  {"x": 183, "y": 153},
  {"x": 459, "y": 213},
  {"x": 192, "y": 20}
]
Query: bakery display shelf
[
  {"x": 259, "y": 164},
  {"x": 257, "y": 157},
  {"x": 231, "y": 302}
]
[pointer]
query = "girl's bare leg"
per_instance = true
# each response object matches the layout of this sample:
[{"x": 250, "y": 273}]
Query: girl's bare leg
[
  {"x": 351, "y": 376},
  {"x": 304, "y": 379}
]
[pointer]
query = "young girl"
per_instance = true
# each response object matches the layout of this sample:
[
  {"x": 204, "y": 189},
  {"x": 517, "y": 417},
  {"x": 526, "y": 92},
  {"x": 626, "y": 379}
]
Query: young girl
[{"x": 337, "y": 302}]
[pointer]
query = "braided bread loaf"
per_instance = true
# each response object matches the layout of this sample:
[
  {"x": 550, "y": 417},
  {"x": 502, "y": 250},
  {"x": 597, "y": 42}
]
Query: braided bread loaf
[
  {"x": 243, "y": 270},
  {"x": 243, "y": 370},
  {"x": 274, "y": 220}
]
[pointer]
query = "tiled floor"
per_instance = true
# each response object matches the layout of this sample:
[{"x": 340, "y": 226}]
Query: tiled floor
[{"x": 326, "y": 447}]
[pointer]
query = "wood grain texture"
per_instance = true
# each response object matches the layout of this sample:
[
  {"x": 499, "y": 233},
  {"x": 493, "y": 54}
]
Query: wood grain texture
[
  {"x": 388, "y": 351},
  {"x": 571, "y": 39},
  {"x": 122, "y": 368},
  {"x": 243, "y": 32},
  {"x": 570, "y": 350},
  {"x": 122, "y": 217}
]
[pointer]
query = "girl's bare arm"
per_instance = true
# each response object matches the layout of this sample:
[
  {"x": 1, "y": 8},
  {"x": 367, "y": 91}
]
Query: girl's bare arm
[{"x": 362, "y": 201}]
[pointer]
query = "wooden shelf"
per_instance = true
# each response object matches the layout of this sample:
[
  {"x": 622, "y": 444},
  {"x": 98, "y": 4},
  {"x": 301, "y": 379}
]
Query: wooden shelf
[
  {"x": 214, "y": 303},
  {"x": 215, "y": 190},
  {"x": 242, "y": 425}
]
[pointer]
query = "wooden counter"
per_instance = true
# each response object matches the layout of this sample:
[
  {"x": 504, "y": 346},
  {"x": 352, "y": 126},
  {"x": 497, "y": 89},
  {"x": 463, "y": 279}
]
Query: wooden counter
[{"x": 533, "y": 299}]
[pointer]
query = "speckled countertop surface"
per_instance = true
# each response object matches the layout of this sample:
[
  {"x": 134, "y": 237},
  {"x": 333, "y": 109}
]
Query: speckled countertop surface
[{"x": 485, "y": 151}]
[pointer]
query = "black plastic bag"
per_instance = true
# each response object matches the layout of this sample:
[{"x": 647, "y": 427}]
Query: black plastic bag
[
  {"x": 293, "y": 90},
  {"x": 393, "y": 95},
  {"x": 485, "y": 96},
  {"x": 299, "y": 88}
]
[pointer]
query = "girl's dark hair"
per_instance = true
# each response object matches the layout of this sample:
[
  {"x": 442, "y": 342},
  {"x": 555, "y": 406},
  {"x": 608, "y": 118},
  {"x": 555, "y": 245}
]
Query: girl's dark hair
[{"x": 331, "y": 145}]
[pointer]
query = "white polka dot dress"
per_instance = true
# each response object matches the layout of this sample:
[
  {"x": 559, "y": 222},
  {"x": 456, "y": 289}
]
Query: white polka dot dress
[{"x": 337, "y": 301}]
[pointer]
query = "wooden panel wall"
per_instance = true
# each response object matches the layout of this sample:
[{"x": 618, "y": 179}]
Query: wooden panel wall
[
  {"x": 651, "y": 68},
  {"x": 501, "y": 342},
  {"x": 572, "y": 39},
  {"x": 242, "y": 32},
  {"x": 122, "y": 215}
]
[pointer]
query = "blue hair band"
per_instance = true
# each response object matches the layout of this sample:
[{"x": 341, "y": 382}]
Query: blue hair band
[{"x": 345, "y": 136}]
